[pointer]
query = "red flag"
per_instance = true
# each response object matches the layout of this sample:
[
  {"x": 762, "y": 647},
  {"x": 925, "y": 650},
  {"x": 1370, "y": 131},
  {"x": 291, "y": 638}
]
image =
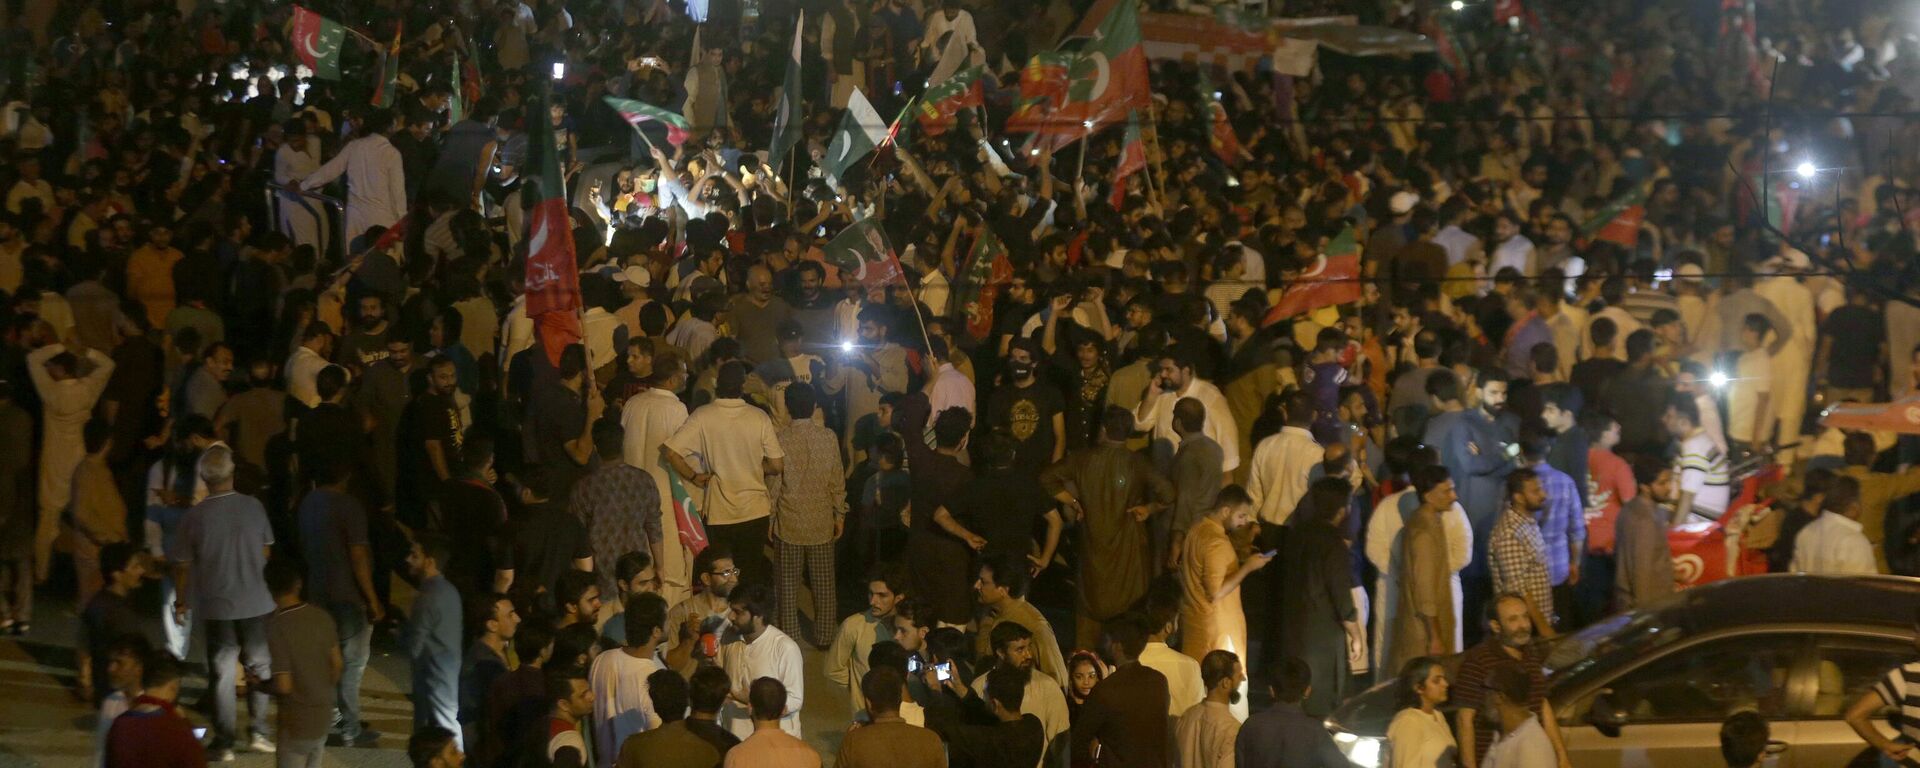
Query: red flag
[
  {"x": 1333, "y": 279},
  {"x": 1226, "y": 146},
  {"x": 553, "y": 278}
]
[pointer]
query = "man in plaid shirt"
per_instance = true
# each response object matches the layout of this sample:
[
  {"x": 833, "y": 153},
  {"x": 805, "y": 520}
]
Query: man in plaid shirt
[
  {"x": 1563, "y": 523},
  {"x": 809, "y": 513},
  {"x": 1517, "y": 554}
]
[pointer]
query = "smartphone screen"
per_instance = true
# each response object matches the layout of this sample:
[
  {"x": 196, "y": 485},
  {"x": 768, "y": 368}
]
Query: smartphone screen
[
  {"x": 913, "y": 665},
  {"x": 1270, "y": 553},
  {"x": 943, "y": 670}
]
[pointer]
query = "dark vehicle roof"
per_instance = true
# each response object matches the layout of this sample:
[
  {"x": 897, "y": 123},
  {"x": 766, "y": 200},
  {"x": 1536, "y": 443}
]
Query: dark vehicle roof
[
  {"x": 1888, "y": 602},
  {"x": 1793, "y": 599}
]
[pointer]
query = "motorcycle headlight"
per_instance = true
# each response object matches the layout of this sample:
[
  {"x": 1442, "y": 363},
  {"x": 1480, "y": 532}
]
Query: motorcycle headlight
[{"x": 1363, "y": 751}]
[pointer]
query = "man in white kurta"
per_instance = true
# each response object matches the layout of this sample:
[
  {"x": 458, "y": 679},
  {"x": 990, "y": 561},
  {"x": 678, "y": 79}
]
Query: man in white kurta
[
  {"x": 1793, "y": 364},
  {"x": 66, "y": 402},
  {"x": 761, "y": 650},
  {"x": 1156, "y": 411},
  {"x": 376, "y": 179},
  {"x": 301, "y": 218},
  {"x": 1281, "y": 467},
  {"x": 1383, "y": 531},
  {"x": 649, "y": 418}
]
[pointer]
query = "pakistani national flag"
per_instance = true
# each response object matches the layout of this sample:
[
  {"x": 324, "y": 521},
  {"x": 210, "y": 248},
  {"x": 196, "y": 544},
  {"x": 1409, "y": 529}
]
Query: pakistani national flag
[
  {"x": 639, "y": 113},
  {"x": 861, "y": 129},
  {"x": 553, "y": 277},
  {"x": 1619, "y": 221},
  {"x": 862, "y": 253},
  {"x": 317, "y": 40},
  {"x": 786, "y": 113}
]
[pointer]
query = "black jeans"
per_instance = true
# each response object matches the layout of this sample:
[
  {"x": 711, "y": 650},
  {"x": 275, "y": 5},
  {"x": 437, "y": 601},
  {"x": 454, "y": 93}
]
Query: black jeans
[{"x": 748, "y": 543}]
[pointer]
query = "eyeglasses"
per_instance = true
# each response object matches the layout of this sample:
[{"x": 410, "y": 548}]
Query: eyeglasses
[{"x": 728, "y": 573}]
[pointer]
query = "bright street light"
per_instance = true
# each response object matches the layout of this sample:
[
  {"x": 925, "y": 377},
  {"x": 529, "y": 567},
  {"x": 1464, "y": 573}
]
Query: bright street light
[
  {"x": 1805, "y": 169},
  {"x": 1457, "y": 5}
]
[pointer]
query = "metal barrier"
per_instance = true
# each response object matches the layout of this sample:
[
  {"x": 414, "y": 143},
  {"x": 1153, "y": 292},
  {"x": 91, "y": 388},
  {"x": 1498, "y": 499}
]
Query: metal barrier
[{"x": 307, "y": 218}]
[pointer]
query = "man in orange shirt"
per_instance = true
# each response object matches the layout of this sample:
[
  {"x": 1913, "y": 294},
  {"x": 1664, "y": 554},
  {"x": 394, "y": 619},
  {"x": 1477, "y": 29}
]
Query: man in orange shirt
[{"x": 150, "y": 274}]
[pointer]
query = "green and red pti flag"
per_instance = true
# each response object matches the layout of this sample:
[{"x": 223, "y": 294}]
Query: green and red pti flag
[
  {"x": 317, "y": 40},
  {"x": 862, "y": 253},
  {"x": 987, "y": 270},
  {"x": 1334, "y": 278},
  {"x": 639, "y": 113},
  {"x": 553, "y": 277},
  {"x": 941, "y": 103},
  {"x": 1619, "y": 221},
  {"x": 1043, "y": 90},
  {"x": 1220, "y": 139},
  {"x": 1104, "y": 81},
  {"x": 1133, "y": 159}
]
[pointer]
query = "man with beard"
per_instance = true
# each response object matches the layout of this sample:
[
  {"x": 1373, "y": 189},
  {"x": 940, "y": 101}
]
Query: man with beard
[
  {"x": 1513, "y": 249},
  {"x": 1472, "y": 447},
  {"x": 875, "y": 367},
  {"x": 1509, "y": 643},
  {"x": 367, "y": 343},
  {"x": 1179, "y": 379},
  {"x": 1029, "y": 410},
  {"x": 705, "y": 611},
  {"x": 1204, "y": 735},
  {"x": 1110, "y": 491},
  {"x": 435, "y": 431},
  {"x": 1643, "y": 570},
  {"x": 1013, "y": 648},
  {"x": 757, "y": 314},
  {"x": 381, "y": 401},
  {"x": 812, "y": 304},
  {"x": 1211, "y": 616},
  {"x": 759, "y": 650}
]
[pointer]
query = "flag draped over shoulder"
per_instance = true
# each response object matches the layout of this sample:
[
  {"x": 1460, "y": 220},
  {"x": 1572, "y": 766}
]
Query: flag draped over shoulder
[
  {"x": 553, "y": 277},
  {"x": 456, "y": 95},
  {"x": 786, "y": 114},
  {"x": 317, "y": 40},
  {"x": 1619, "y": 221},
  {"x": 637, "y": 113},
  {"x": 862, "y": 253},
  {"x": 1334, "y": 278}
]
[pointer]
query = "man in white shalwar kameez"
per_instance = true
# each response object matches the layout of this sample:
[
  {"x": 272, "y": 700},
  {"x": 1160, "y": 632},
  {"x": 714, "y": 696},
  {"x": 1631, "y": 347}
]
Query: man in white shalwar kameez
[
  {"x": 66, "y": 402},
  {"x": 376, "y": 179},
  {"x": 649, "y": 418},
  {"x": 302, "y": 219}
]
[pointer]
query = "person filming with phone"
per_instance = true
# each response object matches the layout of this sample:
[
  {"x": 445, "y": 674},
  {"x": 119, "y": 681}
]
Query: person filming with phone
[{"x": 1211, "y": 616}]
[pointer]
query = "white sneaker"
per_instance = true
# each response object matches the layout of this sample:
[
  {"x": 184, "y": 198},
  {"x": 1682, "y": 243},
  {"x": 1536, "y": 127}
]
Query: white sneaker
[{"x": 260, "y": 744}]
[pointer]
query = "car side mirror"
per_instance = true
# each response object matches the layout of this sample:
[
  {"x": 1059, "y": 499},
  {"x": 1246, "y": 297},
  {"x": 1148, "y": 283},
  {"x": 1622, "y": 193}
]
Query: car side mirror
[{"x": 1604, "y": 716}]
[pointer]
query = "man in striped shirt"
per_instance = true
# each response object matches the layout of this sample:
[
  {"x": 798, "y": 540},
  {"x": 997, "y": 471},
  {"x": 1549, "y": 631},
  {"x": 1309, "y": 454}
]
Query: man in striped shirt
[
  {"x": 1900, "y": 688},
  {"x": 1702, "y": 468}
]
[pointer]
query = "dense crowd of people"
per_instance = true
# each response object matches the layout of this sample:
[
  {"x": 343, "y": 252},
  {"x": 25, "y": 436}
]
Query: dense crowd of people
[{"x": 1107, "y": 463}]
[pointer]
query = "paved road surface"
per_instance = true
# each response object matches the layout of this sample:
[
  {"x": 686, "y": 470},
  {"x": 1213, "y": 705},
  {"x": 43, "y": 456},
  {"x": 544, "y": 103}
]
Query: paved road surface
[{"x": 42, "y": 724}]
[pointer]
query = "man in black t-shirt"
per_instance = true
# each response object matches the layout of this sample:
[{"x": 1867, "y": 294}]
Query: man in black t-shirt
[
  {"x": 540, "y": 543},
  {"x": 1001, "y": 504},
  {"x": 1853, "y": 341},
  {"x": 1030, "y": 410},
  {"x": 434, "y": 433}
]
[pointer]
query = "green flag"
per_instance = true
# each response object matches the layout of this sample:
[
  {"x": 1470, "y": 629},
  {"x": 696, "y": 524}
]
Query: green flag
[
  {"x": 861, "y": 129},
  {"x": 786, "y": 114}
]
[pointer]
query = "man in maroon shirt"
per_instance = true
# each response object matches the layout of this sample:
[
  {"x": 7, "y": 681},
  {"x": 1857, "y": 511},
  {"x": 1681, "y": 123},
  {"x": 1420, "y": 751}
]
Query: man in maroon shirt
[{"x": 152, "y": 734}]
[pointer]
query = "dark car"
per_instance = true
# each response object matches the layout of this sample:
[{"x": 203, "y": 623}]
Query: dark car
[{"x": 1649, "y": 689}]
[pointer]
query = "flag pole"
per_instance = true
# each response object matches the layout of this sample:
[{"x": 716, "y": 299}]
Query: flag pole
[{"x": 1086, "y": 137}]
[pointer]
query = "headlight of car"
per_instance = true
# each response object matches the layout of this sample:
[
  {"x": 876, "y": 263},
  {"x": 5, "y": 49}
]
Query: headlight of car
[{"x": 1363, "y": 751}]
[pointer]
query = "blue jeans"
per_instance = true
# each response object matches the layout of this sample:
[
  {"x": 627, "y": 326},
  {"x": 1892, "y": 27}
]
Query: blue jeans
[
  {"x": 228, "y": 642},
  {"x": 356, "y": 635}
]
